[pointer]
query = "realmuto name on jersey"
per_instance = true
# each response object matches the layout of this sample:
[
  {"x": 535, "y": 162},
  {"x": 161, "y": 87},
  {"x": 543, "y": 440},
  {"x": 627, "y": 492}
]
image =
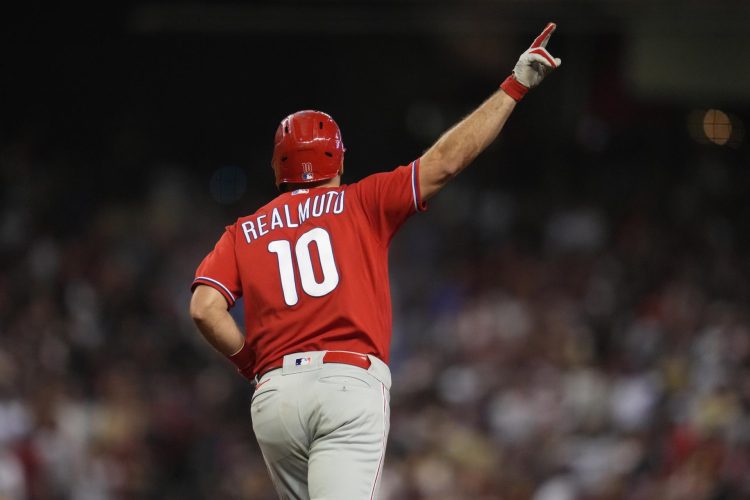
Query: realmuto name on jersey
[{"x": 293, "y": 215}]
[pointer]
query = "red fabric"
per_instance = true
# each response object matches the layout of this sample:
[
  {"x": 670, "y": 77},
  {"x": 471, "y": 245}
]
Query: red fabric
[
  {"x": 544, "y": 36},
  {"x": 219, "y": 268},
  {"x": 347, "y": 358},
  {"x": 343, "y": 357},
  {"x": 353, "y": 316},
  {"x": 546, "y": 55},
  {"x": 244, "y": 360},
  {"x": 514, "y": 88}
]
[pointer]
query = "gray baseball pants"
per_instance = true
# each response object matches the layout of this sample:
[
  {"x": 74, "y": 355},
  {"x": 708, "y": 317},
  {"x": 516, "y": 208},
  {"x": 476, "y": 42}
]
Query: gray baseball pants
[{"x": 323, "y": 427}]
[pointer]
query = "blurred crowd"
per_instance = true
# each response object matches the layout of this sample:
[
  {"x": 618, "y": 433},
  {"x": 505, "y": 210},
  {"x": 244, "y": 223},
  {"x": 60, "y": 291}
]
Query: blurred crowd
[{"x": 545, "y": 347}]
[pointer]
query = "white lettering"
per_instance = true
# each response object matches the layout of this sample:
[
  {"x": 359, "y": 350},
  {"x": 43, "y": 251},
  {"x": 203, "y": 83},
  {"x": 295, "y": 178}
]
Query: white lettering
[
  {"x": 326, "y": 203},
  {"x": 331, "y": 194},
  {"x": 247, "y": 228},
  {"x": 276, "y": 219},
  {"x": 303, "y": 211},
  {"x": 317, "y": 211},
  {"x": 339, "y": 206},
  {"x": 288, "y": 219},
  {"x": 261, "y": 225}
]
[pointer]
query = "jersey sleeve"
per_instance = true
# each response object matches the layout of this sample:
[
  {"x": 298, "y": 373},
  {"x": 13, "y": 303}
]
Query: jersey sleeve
[
  {"x": 219, "y": 269},
  {"x": 389, "y": 198}
]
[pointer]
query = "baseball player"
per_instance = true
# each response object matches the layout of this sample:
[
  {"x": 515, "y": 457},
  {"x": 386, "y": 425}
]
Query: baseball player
[{"x": 312, "y": 267}]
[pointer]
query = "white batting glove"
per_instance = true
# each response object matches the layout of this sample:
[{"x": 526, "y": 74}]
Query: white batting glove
[{"x": 532, "y": 66}]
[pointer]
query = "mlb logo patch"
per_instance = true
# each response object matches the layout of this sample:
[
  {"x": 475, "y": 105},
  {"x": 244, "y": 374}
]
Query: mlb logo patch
[
  {"x": 300, "y": 191},
  {"x": 307, "y": 176},
  {"x": 302, "y": 361}
]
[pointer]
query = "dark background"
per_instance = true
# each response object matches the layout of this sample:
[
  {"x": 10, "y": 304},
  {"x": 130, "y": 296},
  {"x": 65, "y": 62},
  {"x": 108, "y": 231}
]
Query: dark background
[{"x": 571, "y": 315}]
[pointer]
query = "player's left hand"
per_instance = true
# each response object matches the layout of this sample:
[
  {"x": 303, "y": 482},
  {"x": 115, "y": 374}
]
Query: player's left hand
[{"x": 533, "y": 65}]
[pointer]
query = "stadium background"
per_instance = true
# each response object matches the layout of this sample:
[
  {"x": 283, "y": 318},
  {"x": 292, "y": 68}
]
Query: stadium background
[{"x": 571, "y": 315}]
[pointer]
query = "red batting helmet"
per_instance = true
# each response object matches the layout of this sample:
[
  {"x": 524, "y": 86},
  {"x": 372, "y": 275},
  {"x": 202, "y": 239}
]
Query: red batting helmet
[{"x": 308, "y": 148}]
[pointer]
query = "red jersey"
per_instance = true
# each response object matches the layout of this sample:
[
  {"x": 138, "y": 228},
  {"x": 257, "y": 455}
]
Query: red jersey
[{"x": 312, "y": 267}]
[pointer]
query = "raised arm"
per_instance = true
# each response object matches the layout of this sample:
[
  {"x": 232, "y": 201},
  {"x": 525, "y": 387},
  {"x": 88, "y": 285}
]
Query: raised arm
[{"x": 458, "y": 147}]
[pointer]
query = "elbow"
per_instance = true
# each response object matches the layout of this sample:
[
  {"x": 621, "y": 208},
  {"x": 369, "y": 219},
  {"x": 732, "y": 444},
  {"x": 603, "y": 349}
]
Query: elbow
[
  {"x": 197, "y": 314},
  {"x": 200, "y": 311},
  {"x": 206, "y": 305},
  {"x": 450, "y": 169},
  {"x": 451, "y": 163},
  {"x": 443, "y": 175},
  {"x": 446, "y": 166}
]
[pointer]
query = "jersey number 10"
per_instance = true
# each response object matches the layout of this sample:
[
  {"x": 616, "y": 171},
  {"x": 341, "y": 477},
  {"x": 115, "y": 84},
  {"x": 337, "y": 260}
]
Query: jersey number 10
[{"x": 283, "y": 250}]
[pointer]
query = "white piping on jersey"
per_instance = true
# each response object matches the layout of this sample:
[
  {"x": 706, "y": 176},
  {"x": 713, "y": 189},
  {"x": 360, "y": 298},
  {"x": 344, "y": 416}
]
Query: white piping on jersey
[
  {"x": 414, "y": 185},
  {"x": 217, "y": 283}
]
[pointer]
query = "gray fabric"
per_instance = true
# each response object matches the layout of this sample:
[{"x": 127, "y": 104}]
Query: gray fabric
[{"x": 322, "y": 428}]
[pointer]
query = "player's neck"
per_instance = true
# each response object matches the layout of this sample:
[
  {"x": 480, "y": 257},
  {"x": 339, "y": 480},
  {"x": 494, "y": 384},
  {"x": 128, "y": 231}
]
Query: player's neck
[{"x": 335, "y": 182}]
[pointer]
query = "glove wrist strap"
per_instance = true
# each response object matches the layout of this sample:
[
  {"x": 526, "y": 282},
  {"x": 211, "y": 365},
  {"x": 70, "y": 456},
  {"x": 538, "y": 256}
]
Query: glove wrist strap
[
  {"x": 514, "y": 88},
  {"x": 243, "y": 360}
]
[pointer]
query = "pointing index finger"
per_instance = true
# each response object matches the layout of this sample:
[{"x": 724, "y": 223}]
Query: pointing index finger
[{"x": 541, "y": 40}]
